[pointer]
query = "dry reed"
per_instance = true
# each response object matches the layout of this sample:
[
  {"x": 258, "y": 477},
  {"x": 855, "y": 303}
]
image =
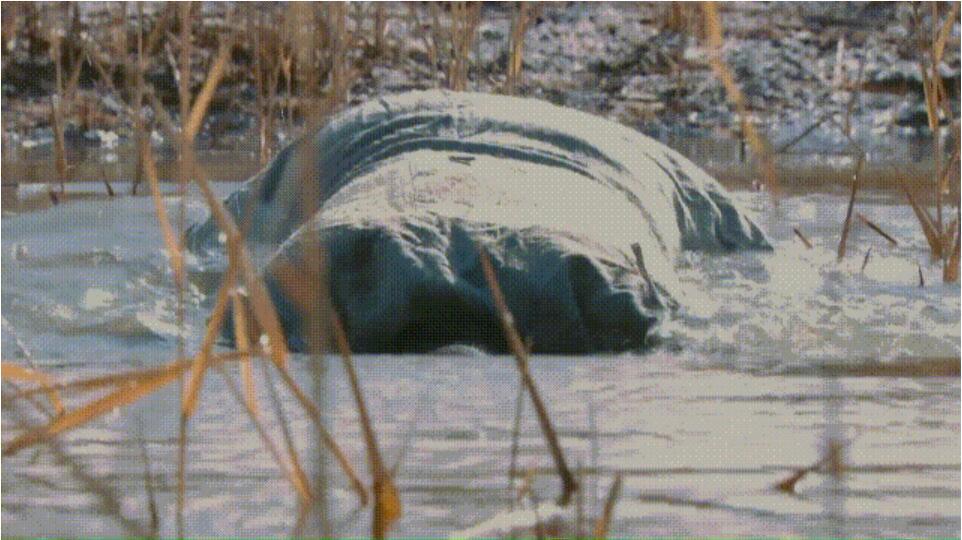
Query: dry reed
[
  {"x": 831, "y": 461},
  {"x": 868, "y": 254},
  {"x": 387, "y": 504},
  {"x": 604, "y": 520},
  {"x": 517, "y": 348},
  {"x": 930, "y": 44},
  {"x": 851, "y": 206},
  {"x": 519, "y": 25},
  {"x": 714, "y": 36},
  {"x": 13, "y": 372},
  {"x": 871, "y": 225},
  {"x": 802, "y": 237}
]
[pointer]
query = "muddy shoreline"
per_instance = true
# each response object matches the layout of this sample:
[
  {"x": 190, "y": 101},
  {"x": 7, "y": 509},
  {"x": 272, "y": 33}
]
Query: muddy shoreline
[{"x": 806, "y": 70}]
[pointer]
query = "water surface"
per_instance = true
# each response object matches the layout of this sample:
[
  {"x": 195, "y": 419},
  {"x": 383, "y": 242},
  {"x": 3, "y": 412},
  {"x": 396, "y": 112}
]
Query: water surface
[{"x": 734, "y": 397}]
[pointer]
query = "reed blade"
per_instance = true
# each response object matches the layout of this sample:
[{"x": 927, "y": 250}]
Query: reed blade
[
  {"x": 199, "y": 367},
  {"x": 802, "y": 237},
  {"x": 95, "y": 409},
  {"x": 293, "y": 473},
  {"x": 871, "y": 225},
  {"x": 243, "y": 345},
  {"x": 13, "y": 372},
  {"x": 604, "y": 521},
  {"x": 851, "y": 206},
  {"x": 569, "y": 484},
  {"x": 387, "y": 503},
  {"x": 925, "y": 221}
]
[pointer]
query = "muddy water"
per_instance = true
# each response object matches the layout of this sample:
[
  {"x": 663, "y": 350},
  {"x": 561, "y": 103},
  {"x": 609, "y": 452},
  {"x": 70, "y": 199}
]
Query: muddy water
[{"x": 772, "y": 356}]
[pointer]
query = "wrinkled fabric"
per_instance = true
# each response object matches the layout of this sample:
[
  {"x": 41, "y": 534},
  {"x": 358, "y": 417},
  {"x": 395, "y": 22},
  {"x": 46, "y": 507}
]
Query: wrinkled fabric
[{"x": 400, "y": 192}]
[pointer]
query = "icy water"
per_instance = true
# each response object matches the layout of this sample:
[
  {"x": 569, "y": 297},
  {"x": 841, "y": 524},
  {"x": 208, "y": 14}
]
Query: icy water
[{"x": 773, "y": 355}]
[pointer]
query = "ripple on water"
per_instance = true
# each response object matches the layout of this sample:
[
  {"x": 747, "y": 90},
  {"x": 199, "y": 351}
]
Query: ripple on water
[{"x": 702, "y": 426}]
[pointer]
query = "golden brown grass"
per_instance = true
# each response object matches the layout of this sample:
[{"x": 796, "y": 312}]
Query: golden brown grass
[
  {"x": 519, "y": 25},
  {"x": 716, "y": 42},
  {"x": 568, "y": 483},
  {"x": 13, "y": 372},
  {"x": 603, "y": 522},
  {"x": 851, "y": 206},
  {"x": 931, "y": 41}
]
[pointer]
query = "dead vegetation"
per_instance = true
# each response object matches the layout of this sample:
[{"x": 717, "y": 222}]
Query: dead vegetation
[{"x": 312, "y": 56}]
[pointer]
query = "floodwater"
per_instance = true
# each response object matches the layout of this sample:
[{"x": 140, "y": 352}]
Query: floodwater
[{"x": 773, "y": 356}]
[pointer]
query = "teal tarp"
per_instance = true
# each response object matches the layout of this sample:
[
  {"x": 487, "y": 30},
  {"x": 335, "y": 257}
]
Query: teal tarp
[{"x": 400, "y": 189}]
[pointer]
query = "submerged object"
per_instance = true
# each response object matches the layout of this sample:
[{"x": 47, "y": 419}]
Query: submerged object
[{"x": 401, "y": 191}]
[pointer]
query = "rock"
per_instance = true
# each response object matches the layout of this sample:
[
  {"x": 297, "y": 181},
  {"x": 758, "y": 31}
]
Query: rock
[{"x": 407, "y": 187}]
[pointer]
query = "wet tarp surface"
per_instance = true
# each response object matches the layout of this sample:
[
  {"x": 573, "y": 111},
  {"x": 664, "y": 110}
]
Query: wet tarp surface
[{"x": 400, "y": 192}]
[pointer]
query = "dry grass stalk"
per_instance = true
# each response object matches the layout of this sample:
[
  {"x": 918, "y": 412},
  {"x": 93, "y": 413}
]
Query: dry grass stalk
[
  {"x": 108, "y": 500},
  {"x": 516, "y": 345},
  {"x": 952, "y": 164},
  {"x": 580, "y": 504},
  {"x": 519, "y": 25},
  {"x": 340, "y": 71},
  {"x": 12, "y": 372},
  {"x": 515, "y": 439},
  {"x": 263, "y": 307},
  {"x": 805, "y": 133},
  {"x": 871, "y": 225},
  {"x": 935, "y": 95},
  {"x": 284, "y": 425},
  {"x": 925, "y": 221},
  {"x": 640, "y": 264},
  {"x": 64, "y": 94},
  {"x": 831, "y": 461},
  {"x": 149, "y": 488},
  {"x": 380, "y": 27},
  {"x": 604, "y": 521},
  {"x": 266, "y": 317},
  {"x": 802, "y": 237},
  {"x": 950, "y": 274},
  {"x": 202, "y": 360},
  {"x": 713, "y": 32},
  {"x": 242, "y": 339},
  {"x": 936, "y": 100},
  {"x": 677, "y": 17},
  {"x": 268, "y": 51},
  {"x": 465, "y": 18},
  {"x": 121, "y": 397},
  {"x": 868, "y": 254},
  {"x": 56, "y": 118},
  {"x": 387, "y": 503},
  {"x": 88, "y": 384},
  {"x": 315, "y": 415},
  {"x": 183, "y": 74},
  {"x": 846, "y": 226},
  {"x": 430, "y": 38},
  {"x": 292, "y": 470},
  {"x": 199, "y": 109},
  {"x": 171, "y": 243}
]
